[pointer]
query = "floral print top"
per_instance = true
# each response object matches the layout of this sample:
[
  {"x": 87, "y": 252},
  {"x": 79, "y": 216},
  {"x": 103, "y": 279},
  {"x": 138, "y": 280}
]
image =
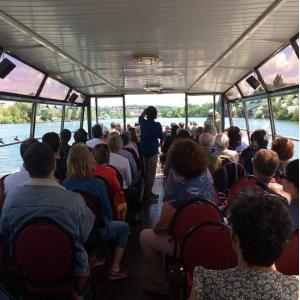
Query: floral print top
[{"x": 244, "y": 284}]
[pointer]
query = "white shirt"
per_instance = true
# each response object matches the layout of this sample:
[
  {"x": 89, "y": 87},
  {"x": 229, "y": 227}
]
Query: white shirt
[
  {"x": 122, "y": 164},
  {"x": 14, "y": 180},
  {"x": 93, "y": 142}
]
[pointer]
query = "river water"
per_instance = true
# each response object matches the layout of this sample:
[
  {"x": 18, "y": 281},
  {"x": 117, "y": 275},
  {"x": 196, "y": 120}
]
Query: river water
[{"x": 10, "y": 159}]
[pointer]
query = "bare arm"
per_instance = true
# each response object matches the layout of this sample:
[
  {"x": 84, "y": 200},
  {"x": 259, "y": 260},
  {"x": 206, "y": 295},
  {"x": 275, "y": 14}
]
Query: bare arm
[{"x": 163, "y": 224}]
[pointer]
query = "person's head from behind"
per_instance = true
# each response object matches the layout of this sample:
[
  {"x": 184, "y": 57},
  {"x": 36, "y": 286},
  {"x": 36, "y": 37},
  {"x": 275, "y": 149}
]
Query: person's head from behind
[
  {"x": 80, "y": 161},
  {"x": 222, "y": 141},
  {"x": 80, "y": 136},
  {"x": 284, "y": 148},
  {"x": 97, "y": 131},
  {"x": 114, "y": 143},
  {"x": 265, "y": 163},
  {"x": 113, "y": 125},
  {"x": 206, "y": 140},
  {"x": 65, "y": 136},
  {"x": 181, "y": 125},
  {"x": 126, "y": 138},
  {"x": 259, "y": 139},
  {"x": 234, "y": 135},
  {"x": 182, "y": 134},
  {"x": 290, "y": 180},
  {"x": 25, "y": 145},
  {"x": 210, "y": 128},
  {"x": 151, "y": 113},
  {"x": 188, "y": 159},
  {"x": 261, "y": 225},
  {"x": 133, "y": 135},
  {"x": 174, "y": 129},
  {"x": 39, "y": 160},
  {"x": 52, "y": 139},
  {"x": 199, "y": 131},
  {"x": 101, "y": 154}
]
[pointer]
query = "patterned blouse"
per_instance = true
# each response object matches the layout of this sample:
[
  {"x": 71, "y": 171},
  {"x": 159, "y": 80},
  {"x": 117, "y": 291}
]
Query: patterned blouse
[{"x": 244, "y": 284}]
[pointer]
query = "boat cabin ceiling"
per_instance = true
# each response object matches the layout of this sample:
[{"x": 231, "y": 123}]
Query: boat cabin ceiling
[{"x": 125, "y": 47}]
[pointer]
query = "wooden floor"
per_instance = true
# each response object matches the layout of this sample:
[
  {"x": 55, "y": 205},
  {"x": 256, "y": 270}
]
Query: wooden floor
[{"x": 131, "y": 287}]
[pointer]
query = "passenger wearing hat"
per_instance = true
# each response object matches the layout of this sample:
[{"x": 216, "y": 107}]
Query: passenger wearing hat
[{"x": 290, "y": 184}]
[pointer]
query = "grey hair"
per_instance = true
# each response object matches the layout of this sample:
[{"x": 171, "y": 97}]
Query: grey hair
[
  {"x": 222, "y": 140},
  {"x": 114, "y": 143}
]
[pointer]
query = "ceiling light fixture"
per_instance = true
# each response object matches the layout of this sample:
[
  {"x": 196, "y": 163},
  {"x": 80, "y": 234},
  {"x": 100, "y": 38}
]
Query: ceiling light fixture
[
  {"x": 146, "y": 59},
  {"x": 153, "y": 88}
]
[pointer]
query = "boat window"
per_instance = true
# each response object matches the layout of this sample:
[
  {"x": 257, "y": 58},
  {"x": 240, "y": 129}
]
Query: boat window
[
  {"x": 23, "y": 79},
  {"x": 281, "y": 70},
  {"x": 110, "y": 110},
  {"x": 93, "y": 111},
  {"x": 54, "y": 89},
  {"x": 233, "y": 93},
  {"x": 250, "y": 85},
  {"x": 80, "y": 98},
  {"x": 48, "y": 119},
  {"x": 237, "y": 114},
  {"x": 85, "y": 120},
  {"x": 72, "y": 118},
  {"x": 199, "y": 107},
  {"x": 14, "y": 127},
  {"x": 170, "y": 108}
]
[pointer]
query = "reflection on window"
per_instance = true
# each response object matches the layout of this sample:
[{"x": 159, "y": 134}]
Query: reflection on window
[
  {"x": 93, "y": 111},
  {"x": 80, "y": 99},
  {"x": 22, "y": 79},
  {"x": 281, "y": 70},
  {"x": 110, "y": 110},
  {"x": 250, "y": 85},
  {"x": 72, "y": 118},
  {"x": 233, "y": 93},
  {"x": 170, "y": 108},
  {"x": 237, "y": 114},
  {"x": 286, "y": 115},
  {"x": 53, "y": 89},
  {"x": 14, "y": 121},
  {"x": 48, "y": 119},
  {"x": 258, "y": 115}
]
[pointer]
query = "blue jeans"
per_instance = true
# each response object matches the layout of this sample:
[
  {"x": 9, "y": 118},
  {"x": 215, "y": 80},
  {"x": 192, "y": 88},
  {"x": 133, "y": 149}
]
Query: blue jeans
[{"x": 116, "y": 231}]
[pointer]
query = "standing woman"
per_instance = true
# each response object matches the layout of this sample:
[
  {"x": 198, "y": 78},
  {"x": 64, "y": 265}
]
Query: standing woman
[{"x": 81, "y": 166}]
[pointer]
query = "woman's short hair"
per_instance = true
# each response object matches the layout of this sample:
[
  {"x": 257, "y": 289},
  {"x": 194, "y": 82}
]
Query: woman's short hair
[
  {"x": 266, "y": 162},
  {"x": 188, "y": 159},
  {"x": 101, "y": 154},
  {"x": 262, "y": 223},
  {"x": 260, "y": 136},
  {"x": 80, "y": 161},
  {"x": 284, "y": 147},
  {"x": 234, "y": 135}
]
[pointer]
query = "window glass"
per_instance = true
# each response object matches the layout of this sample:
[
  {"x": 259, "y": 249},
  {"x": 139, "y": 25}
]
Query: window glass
[
  {"x": 233, "y": 93},
  {"x": 170, "y": 108},
  {"x": 54, "y": 89},
  {"x": 237, "y": 114},
  {"x": 286, "y": 115},
  {"x": 258, "y": 115},
  {"x": 227, "y": 121},
  {"x": 281, "y": 70},
  {"x": 48, "y": 119},
  {"x": 93, "y": 111},
  {"x": 14, "y": 127},
  {"x": 80, "y": 99},
  {"x": 85, "y": 119},
  {"x": 247, "y": 89},
  {"x": 72, "y": 118},
  {"x": 23, "y": 79},
  {"x": 110, "y": 110}
]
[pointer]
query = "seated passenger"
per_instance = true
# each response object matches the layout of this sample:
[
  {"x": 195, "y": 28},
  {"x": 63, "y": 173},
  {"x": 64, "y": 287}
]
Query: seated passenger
[
  {"x": 65, "y": 137},
  {"x": 285, "y": 149},
  {"x": 19, "y": 178},
  {"x": 52, "y": 139},
  {"x": 291, "y": 185},
  {"x": 80, "y": 136},
  {"x": 157, "y": 241},
  {"x": 81, "y": 166},
  {"x": 42, "y": 196},
  {"x": 258, "y": 140},
  {"x": 235, "y": 139},
  {"x": 222, "y": 142},
  {"x": 214, "y": 162},
  {"x": 261, "y": 226},
  {"x": 129, "y": 145},
  {"x": 101, "y": 155},
  {"x": 97, "y": 135}
]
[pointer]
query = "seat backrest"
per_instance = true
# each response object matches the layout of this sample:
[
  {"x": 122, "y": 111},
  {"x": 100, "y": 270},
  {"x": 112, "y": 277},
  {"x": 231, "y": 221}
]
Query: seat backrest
[
  {"x": 93, "y": 205},
  {"x": 119, "y": 175},
  {"x": 288, "y": 261},
  {"x": 208, "y": 245},
  {"x": 2, "y": 255},
  {"x": 194, "y": 213},
  {"x": 228, "y": 175},
  {"x": 44, "y": 252},
  {"x": 243, "y": 182}
]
